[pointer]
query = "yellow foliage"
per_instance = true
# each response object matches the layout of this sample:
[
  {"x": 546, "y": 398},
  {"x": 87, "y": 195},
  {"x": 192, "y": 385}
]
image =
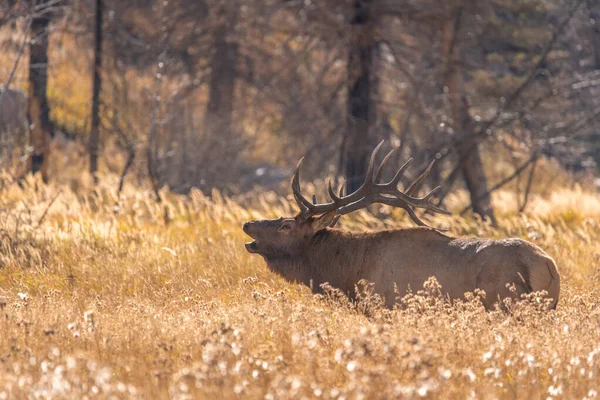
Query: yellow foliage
[
  {"x": 69, "y": 84},
  {"x": 122, "y": 304}
]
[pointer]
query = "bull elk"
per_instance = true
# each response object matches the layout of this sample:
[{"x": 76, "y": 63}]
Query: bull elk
[{"x": 306, "y": 249}]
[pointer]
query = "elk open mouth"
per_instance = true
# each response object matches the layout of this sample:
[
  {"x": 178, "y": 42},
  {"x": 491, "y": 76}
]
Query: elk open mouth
[{"x": 252, "y": 247}]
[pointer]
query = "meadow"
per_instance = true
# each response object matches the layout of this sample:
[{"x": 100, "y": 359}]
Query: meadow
[{"x": 106, "y": 297}]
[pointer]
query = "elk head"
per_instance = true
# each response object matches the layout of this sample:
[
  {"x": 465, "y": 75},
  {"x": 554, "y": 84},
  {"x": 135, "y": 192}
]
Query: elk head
[
  {"x": 285, "y": 237},
  {"x": 290, "y": 237}
]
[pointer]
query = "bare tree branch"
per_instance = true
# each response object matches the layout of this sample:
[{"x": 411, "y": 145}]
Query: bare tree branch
[
  {"x": 482, "y": 130},
  {"x": 528, "y": 187},
  {"x": 506, "y": 180},
  {"x": 151, "y": 136},
  {"x": 16, "y": 63},
  {"x": 41, "y": 220},
  {"x": 558, "y": 31}
]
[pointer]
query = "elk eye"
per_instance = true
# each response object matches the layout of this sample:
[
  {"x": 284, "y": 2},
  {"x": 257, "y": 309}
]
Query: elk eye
[{"x": 285, "y": 227}]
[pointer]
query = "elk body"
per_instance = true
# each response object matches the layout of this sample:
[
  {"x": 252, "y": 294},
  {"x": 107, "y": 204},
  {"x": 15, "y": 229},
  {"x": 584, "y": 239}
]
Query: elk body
[{"x": 305, "y": 249}]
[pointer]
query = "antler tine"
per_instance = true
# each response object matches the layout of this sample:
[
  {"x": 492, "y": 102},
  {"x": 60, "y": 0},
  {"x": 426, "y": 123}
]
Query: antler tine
[
  {"x": 394, "y": 202},
  {"x": 336, "y": 198},
  {"x": 332, "y": 194},
  {"x": 430, "y": 206},
  {"x": 364, "y": 188},
  {"x": 341, "y": 193},
  {"x": 308, "y": 209},
  {"x": 396, "y": 179},
  {"x": 369, "y": 175},
  {"x": 411, "y": 213},
  {"x": 418, "y": 221},
  {"x": 413, "y": 186},
  {"x": 379, "y": 173},
  {"x": 303, "y": 204}
]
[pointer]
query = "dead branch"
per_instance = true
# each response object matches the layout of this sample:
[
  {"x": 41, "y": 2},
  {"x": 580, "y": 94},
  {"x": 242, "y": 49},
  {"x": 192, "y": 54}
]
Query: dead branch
[
  {"x": 16, "y": 63},
  {"x": 528, "y": 187},
  {"x": 503, "y": 182},
  {"x": 41, "y": 220},
  {"x": 514, "y": 96},
  {"x": 149, "y": 145},
  {"x": 483, "y": 129},
  {"x": 128, "y": 164},
  {"x": 118, "y": 132}
]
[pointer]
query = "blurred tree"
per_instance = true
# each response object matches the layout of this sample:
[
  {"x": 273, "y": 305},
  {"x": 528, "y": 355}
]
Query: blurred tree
[
  {"x": 356, "y": 144},
  {"x": 96, "y": 89},
  {"x": 221, "y": 141},
  {"x": 223, "y": 74},
  {"x": 593, "y": 7},
  {"x": 248, "y": 85},
  {"x": 461, "y": 123},
  {"x": 38, "y": 108}
]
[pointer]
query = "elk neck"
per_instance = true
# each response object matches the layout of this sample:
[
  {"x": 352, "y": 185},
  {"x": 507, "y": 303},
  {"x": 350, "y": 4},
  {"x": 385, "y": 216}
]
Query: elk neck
[{"x": 331, "y": 256}]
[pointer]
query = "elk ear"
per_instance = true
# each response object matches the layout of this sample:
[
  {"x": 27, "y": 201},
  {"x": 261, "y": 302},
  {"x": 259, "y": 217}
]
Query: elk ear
[{"x": 323, "y": 221}]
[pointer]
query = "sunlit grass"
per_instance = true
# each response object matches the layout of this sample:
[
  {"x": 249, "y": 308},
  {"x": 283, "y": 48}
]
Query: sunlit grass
[{"x": 128, "y": 304}]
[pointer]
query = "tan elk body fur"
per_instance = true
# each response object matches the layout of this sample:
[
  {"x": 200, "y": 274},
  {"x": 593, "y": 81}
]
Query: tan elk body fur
[
  {"x": 398, "y": 259},
  {"x": 304, "y": 249}
]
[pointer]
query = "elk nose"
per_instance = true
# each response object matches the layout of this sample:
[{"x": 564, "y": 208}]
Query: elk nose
[{"x": 246, "y": 226}]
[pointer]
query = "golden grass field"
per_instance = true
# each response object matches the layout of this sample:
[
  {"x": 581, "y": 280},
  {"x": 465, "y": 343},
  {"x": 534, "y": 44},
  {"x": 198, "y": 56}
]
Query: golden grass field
[{"x": 96, "y": 303}]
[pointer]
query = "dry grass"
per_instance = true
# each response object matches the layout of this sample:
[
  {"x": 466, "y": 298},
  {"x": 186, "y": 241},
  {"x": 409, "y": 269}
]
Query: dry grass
[{"x": 126, "y": 306}]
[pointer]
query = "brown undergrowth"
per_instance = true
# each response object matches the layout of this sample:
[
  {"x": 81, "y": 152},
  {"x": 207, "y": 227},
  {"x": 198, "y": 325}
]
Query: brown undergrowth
[{"x": 115, "y": 302}]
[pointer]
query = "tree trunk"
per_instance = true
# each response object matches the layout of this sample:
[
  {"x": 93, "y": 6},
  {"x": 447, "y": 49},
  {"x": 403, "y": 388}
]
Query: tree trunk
[
  {"x": 594, "y": 13},
  {"x": 471, "y": 165},
  {"x": 220, "y": 146},
  {"x": 355, "y": 145},
  {"x": 97, "y": 87},
  {"x": 37, "y": 104},
  {"x": 219, "y": 110}
]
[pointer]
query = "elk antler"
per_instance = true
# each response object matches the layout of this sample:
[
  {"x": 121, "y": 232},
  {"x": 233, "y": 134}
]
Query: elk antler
[{"x": 370, "y": 192}]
